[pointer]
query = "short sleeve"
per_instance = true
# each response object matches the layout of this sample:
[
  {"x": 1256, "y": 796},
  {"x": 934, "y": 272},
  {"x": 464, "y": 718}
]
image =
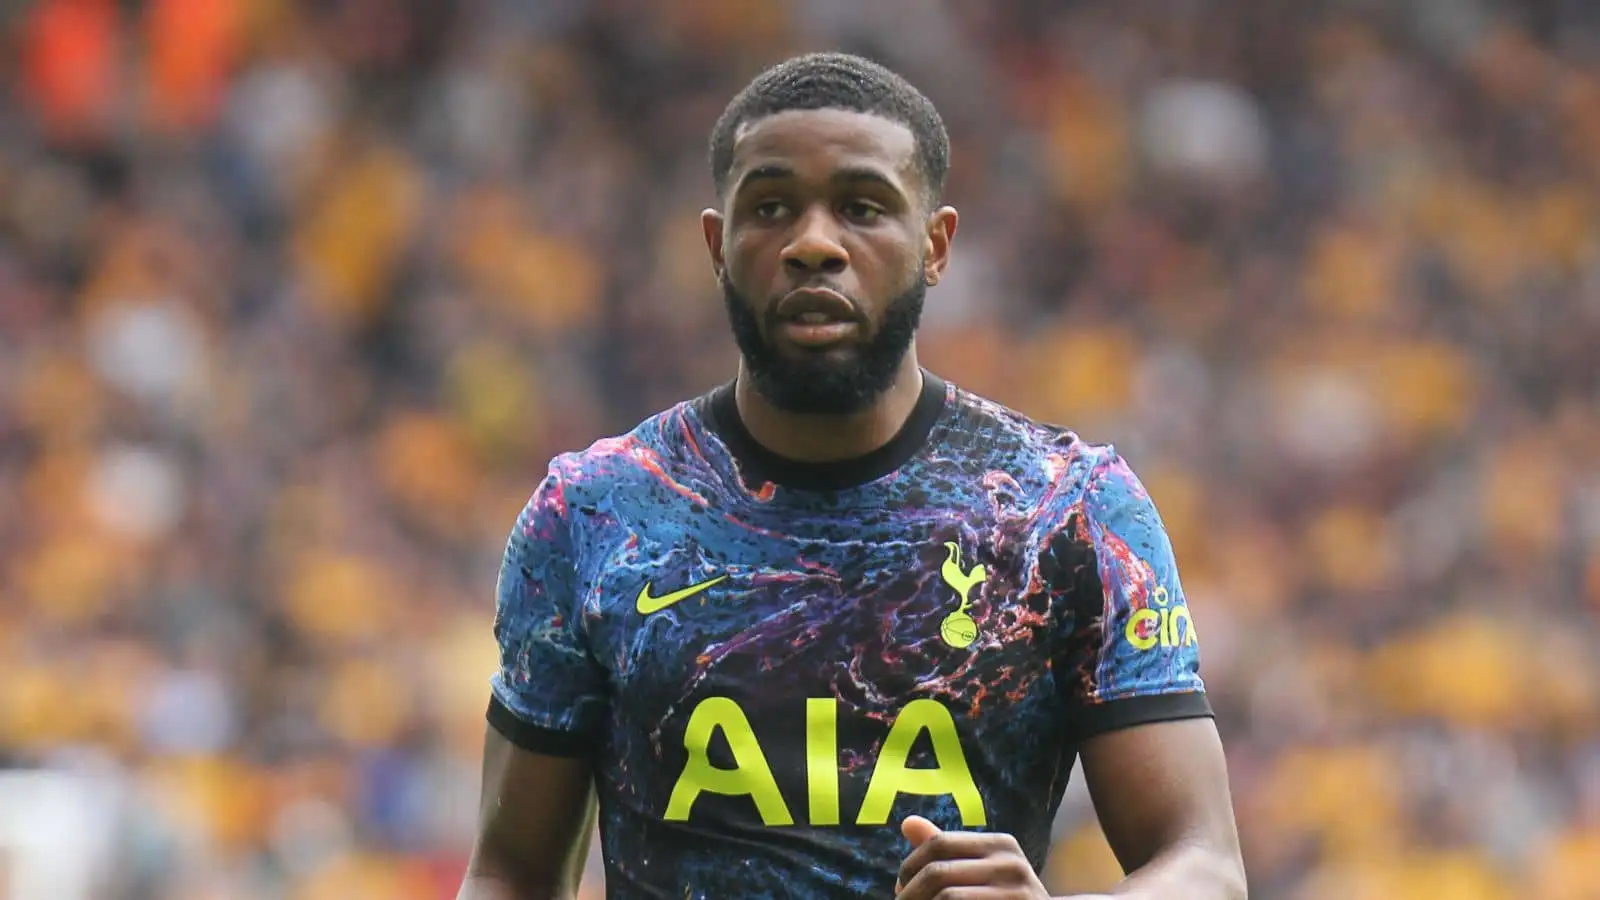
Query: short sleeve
[
  {"x": 1132, "y": 654},
  {"x": 549, "y": 694}
]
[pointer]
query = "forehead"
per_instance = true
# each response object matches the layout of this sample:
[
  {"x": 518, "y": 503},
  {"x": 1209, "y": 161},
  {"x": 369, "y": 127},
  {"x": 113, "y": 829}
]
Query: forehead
[{"x": 817, "y": 142}]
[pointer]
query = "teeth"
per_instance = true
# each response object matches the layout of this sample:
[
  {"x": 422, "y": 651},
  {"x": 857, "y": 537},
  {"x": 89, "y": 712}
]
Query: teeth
[{"x": 814, "y": 318}]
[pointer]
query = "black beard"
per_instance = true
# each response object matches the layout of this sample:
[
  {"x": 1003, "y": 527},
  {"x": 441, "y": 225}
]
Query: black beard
[{"x": 820, "y": 385}]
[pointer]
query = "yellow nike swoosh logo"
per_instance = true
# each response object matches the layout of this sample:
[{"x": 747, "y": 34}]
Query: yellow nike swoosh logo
[{"x": 648, "y": 604}]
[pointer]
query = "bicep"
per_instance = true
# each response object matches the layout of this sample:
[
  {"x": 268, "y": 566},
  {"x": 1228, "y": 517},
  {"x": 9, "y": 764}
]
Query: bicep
[
  {"x": 1131, "y": 674},
  {"x": 535, "y": 818},
  {"x": 545, "y": 716},
  {"x": 1160, "y": 785}
]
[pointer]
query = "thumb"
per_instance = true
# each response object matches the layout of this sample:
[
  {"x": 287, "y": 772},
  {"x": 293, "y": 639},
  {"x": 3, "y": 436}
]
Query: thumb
[{"x": 917, "y": 830}]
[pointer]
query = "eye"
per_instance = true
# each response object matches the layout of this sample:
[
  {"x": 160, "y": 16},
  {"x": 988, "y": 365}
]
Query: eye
[
  {"x": 862, "y": 211},
  {"x": 770, "y": 209}
]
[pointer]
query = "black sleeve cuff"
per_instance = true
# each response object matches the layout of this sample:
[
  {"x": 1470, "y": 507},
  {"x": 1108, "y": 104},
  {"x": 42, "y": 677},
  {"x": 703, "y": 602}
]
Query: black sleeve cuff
[
  {"x": 1088, "y": 721},
  {"x": 535, "y": 739}
]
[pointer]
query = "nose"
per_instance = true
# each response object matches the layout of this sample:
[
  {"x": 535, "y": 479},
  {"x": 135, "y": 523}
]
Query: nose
[{"x": 815, "y": 247}]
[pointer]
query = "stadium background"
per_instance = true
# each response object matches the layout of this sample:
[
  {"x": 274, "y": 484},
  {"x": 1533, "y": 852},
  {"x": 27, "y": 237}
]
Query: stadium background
[{"x": 296, "y": 298}]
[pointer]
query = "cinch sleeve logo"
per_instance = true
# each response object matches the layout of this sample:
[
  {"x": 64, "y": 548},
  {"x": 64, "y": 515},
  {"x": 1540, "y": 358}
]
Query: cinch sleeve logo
[
  {"x": 891, "y": 776},
  {"x": 1161, "y": 624}
]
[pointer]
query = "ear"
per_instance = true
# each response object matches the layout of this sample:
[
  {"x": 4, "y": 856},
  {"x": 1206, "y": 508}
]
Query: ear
[
  {"x": 936, "y": 248},
  {"x": 711, "y": 225}
]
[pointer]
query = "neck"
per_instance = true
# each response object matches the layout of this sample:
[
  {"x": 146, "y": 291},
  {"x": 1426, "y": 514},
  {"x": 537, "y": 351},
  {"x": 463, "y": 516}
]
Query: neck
[{"x": 829, "y": 438}]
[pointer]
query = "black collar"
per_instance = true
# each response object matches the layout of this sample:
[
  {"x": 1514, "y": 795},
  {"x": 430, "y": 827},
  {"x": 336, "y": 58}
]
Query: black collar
[{"x": 760, "y": 464}]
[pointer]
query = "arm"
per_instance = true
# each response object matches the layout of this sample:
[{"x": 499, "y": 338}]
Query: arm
[
  {"x": 534, "y": 824},
  {"x": 1130, "y": 677},
  {"x": 1153, "y": 760},
  {"x": 545, "y": 718},
  {"x": 1161, "y": 792}
]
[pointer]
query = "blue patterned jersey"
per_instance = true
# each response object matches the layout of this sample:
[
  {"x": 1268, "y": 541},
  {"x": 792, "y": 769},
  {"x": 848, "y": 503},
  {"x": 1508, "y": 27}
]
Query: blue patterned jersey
[{"x": 770, "y": 664}]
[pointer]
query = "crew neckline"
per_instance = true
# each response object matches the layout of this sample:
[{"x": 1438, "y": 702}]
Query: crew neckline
[{"x": 763, "y": 464}]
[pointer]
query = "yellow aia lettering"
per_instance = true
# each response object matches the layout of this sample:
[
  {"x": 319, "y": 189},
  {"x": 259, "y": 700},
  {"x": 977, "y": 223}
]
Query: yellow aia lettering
[
  {"x": 891, "y": 776},
  {"x": 750, "y": 773},
  {"x": 952, "y": 776}
]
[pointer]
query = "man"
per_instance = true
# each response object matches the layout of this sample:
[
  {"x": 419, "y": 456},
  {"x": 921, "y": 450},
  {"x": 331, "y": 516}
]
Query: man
[{"x": 840, "y": 629}]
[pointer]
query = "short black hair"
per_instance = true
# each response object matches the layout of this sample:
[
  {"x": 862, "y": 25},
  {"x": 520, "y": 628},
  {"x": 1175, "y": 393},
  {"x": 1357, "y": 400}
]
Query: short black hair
[{"x": 836, "y": 81}]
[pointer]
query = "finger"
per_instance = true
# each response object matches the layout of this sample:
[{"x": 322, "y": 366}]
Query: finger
[
  {"x": 953, "y": 845},
  {"x": 985, "y": 892},
  {"x": 917, "y": 830},
  {"x": 943, "y": 877}
]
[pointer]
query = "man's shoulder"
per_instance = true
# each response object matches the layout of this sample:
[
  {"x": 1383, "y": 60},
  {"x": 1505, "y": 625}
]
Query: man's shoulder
[
  {"x": 647, "y": 451},
  {"x": 1007, "y": 431}
]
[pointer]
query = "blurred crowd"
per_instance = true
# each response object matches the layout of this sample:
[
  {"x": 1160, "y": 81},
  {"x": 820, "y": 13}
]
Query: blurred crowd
[{"x": 297, "y": 298}]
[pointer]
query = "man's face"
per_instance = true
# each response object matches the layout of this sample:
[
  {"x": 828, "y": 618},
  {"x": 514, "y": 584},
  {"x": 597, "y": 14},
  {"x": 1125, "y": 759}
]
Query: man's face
[{"x": 824, "y": 251}]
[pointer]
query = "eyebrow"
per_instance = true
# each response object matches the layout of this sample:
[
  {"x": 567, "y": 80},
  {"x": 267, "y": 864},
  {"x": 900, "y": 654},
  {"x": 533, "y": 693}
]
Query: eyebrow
[{"x": 850, "y": 175}]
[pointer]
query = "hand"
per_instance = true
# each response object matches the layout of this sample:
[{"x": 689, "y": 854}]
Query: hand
[{"x": 951, "y": 864}]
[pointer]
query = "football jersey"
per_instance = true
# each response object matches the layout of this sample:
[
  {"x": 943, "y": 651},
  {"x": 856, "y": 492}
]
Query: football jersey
[{"x": 770, "y": 664}]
